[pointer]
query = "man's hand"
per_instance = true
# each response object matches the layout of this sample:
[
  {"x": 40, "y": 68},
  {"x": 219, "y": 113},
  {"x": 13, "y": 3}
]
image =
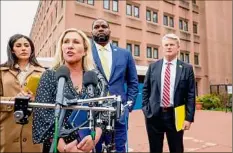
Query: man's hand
[
  {"x": 186, "y": 125},
  {"x": 87, "y": 144}
]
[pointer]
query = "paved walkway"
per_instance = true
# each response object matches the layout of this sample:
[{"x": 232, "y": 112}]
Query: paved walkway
[{"x": 211, "y": 132}]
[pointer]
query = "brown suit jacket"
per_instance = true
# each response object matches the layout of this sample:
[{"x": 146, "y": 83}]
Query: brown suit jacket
[{"x": 9, "y": 130}]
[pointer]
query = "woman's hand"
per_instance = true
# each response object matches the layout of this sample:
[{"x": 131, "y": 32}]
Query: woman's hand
[
  {"x": 87, "y": 144},
  {"x": 70, "y": 147},
  {"x": 27, "y": 93}
]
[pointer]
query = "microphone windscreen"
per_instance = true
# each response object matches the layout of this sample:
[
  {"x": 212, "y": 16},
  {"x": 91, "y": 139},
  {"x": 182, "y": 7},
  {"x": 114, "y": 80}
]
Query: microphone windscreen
[
  {"x": 63, "y": 71},
  {"x": 90, "y": 77}
]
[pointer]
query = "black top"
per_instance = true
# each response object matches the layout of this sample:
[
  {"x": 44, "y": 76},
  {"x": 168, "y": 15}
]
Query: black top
[{"x": 43, "y": 118}]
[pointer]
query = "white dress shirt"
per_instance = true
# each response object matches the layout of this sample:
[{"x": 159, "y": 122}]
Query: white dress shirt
[
  {"x": 107, "y": 54},
  {"x": 172, "y": 80}
]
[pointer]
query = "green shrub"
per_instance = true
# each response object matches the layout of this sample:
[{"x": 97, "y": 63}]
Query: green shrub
[
  {"x": 198, "y": 99},
  {"x": 210, "y": 102}
]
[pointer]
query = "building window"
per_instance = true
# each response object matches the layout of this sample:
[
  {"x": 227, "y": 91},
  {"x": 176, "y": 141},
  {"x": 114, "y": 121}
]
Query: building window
[
  {"x": 128, "y": 9},
  {"x": 129, "y": 47},
  {"x": 106, "y": 4},
  {"x": 115, "y": 43},
  {"x": 91, "y": 2},
  {"x": 132, "y": 10},
  {"x": 183, "y": 25},
  {"x": 196, "y": 59},
  {"x": 82, "y": 1},
  {"x": 171, "y": 21},
  {"x": 195, "y": 28},
  {"x": 186, "y": 59},
  {"x": 115, "y": 5},
  {"x": 182, "y": 56},
  {"x": 148, "y": 15},
  {"x": 148, "y": 52},
  {"x": 136, "y": 11},
  {"x": 155, "y": 53},
  {"x": 155, "y": 17},
  {"x": 165, "y": 20},
  {"x": 168, "y": 21},
  {"x": 136, "y": 50}
]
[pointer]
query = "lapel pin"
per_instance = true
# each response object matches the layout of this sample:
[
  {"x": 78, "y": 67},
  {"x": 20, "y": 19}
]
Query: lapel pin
[{"x": 115, "y": 49}]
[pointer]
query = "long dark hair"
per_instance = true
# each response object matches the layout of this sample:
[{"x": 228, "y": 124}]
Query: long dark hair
[{"x": 12, "y": 59}]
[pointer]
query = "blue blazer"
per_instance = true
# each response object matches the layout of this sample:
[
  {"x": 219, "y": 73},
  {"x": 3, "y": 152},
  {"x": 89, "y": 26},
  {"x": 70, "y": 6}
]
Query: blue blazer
[{"x": 123, "y": 72}]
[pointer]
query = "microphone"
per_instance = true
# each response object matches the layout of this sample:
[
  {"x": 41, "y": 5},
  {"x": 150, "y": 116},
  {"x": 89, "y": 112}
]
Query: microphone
[
  {"x": 90, "y": 81},
  {"x": 62, "y": 75}
]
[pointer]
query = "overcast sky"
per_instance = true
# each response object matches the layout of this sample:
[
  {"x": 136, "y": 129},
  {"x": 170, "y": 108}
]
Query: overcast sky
[{"x": 16, "y": 17}]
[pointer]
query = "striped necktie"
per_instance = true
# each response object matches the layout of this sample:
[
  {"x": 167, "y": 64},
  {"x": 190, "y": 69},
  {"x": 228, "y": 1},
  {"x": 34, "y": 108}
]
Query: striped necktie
[{"x": 166, "y": 86}]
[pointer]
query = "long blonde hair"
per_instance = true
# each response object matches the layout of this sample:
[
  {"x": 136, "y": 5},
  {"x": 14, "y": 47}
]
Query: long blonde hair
[{"x": 88, "y": 62}]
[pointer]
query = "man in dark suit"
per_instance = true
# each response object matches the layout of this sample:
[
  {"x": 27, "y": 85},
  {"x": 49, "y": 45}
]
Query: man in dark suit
[
  {"x": 118, "y": 67},
  {"x": 169, "y": 83}
]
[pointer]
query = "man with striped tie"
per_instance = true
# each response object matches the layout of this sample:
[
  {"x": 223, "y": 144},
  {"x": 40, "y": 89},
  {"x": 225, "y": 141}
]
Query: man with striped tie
[{"x": 169, "y": 83}]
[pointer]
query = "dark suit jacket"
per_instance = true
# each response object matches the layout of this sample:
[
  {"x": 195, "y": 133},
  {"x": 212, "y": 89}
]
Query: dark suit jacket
[
  {"x": 123, "y": 72},
  {"x": 184, "y": 89}
]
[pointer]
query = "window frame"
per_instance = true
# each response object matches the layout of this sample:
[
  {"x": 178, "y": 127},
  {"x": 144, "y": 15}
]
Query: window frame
[
  {"x": 130, "y": 9},
  {"x": 157, "y": 54},
  {"x": 149, "y": 50},
  {"x": 134, "y": 9},
  {"x": 115, "y": 42},
  {"x": 195, "y": 30},
  {"x": 148, "y": 11},
  {"x": 153, "y": 13},
  {"x": 165, "y": 20},
  {"x": 129, "y": 44},
  {"x": 105, "y": 3},
  {"x": 196, "y": 59},
  {"x": 138, "y": 53},
  {"x": 117, "y": 5},
  {"x": 91, "y": 3},
  {"x": 171, "y": 24}
]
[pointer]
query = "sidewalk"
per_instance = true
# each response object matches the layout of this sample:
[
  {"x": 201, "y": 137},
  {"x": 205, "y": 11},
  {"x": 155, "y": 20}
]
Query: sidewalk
[{"x": 210, "y": 132}]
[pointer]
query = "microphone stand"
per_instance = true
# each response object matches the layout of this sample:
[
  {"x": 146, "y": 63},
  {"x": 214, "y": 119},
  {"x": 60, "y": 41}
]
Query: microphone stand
[
  {"x": 59, "y": 110},
  {"x": 58, "y": 125}
]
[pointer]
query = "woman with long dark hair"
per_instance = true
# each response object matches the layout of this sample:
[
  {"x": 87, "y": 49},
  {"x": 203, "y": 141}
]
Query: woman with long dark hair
[{"x": 15, "y": 72}]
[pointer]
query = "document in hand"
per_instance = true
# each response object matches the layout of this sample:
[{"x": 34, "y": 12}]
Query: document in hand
[
  {"x": 179, "y": 117},
  {"x": 32, "y": 83}
]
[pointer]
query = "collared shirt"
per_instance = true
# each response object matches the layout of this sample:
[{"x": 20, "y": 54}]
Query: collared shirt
[
  {"x": 22, "y": 74},
  {"x": 108, "y": 53},
  {"x": 172, "y": 80}
]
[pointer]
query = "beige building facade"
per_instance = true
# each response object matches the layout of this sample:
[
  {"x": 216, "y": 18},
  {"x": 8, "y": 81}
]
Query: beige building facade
[{"x": 206, "y": 34}]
